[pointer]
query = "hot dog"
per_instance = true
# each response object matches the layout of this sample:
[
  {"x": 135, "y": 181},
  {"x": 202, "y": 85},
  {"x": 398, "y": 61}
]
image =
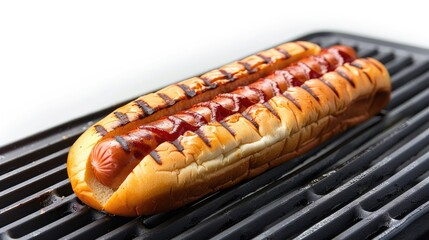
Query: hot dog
[
  {"x": 113, "y": 158},
  {"x": 174, "y": 98},
  {"x": 275, "y": 123}
]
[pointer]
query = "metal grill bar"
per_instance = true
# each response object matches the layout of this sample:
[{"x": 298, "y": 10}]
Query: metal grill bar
[
  {"x": 410, "y": 225},
  {"x": 382, "y": 218},
  {"x": 321, "y": 187},
  {"x": 366, "y": 204},
  {"x": 350, "y": 190},
  {"x": 370, "y": 182}
]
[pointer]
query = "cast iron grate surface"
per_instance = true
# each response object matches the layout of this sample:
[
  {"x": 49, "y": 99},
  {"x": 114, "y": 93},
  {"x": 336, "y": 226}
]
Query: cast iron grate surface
[{"x": 370, "y": 182}]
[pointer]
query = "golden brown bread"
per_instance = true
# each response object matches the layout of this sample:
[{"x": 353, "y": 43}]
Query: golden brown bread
[
  {"x": 243, "y": 146},
  {"x": 172, "y": 99},
  {"x": 113, "y": 158},
  {"x": 183, "y": 95}
]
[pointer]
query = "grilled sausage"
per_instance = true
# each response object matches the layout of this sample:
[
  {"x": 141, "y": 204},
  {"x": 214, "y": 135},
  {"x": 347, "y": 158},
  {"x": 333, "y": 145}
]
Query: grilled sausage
[
  {"x": 112, "y": 159},
  {"x": 213, "y": 145}
]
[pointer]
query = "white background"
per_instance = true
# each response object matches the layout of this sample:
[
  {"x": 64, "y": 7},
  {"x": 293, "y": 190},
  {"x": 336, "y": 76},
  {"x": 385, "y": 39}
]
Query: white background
[{"x": 62, "y": 60}]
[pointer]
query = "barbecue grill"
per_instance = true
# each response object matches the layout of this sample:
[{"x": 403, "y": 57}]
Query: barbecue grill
[{"x": 369, "y": 182}]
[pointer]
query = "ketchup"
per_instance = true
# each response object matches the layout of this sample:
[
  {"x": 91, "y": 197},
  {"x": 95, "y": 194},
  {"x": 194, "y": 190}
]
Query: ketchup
[{"x": 113, "y": 158}]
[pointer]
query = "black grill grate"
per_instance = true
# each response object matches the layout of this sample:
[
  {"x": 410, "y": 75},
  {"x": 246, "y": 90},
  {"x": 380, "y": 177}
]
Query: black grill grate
[{"x": 370, "y": 182}]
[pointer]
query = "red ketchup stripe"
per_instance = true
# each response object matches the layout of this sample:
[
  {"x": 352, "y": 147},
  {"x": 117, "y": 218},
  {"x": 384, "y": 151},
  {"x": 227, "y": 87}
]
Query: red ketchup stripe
[{"x": 146, "y": 138}]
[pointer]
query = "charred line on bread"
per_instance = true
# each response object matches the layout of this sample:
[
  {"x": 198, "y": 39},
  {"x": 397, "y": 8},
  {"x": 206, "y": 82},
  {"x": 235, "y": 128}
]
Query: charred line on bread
[
  {"x": 247, "y": 67},
  {"x": 148, "y": 136},
  {"x": 154, "y": 154},
  {"x": 266, "y": 59},
  {"x": 227, "y": 127},
  {"x": 228, "y": 75},
  {"x": 147, "y": 110},
  {"x": 189, "y": 92},
  {"x": 191, "y": 88},
  {"x": 100, "y": 130},
  {"x": 356, "y": 65},
  {"x": 330, "y": 86},
  {"x": 306, "y": 88},
  {"x": 293, "y": 100},
  {"x": 271, "y": 109},
  {"x": 123, "y": 143},
  {"x": 376, "y": 65},
  {"x": 209, "y": 84},
  {"x": 345, "y": 76},
  {"x": 368, "y": 76},
  {"x": 178, "y": 145},
  {"x": 167, "y": 99},
  {"x": 251, "y": 120},
  {"x": 284, "y": 52},
  {"x": 135, "y": 197},
  {"x": 123, "y": 118},
  {"x": 203, "y": 137},
  {"x": 302, "y": 45}
]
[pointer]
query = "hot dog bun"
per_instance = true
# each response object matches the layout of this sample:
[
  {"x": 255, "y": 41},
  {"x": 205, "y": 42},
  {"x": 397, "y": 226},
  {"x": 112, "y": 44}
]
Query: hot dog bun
[
  {"x": 182, "y": 95},
  {"x": 113, "y": 158},
  {"x": 243, "y": 145},
  {"x": 174, "y": 98}
]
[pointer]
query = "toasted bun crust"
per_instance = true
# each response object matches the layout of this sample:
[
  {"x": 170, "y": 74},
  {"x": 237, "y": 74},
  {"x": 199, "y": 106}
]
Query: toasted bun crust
[
  {"x": 243, "y": 146},
  {"x": 170, "y": 100},
  {"x": 183, "y": 95}
]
